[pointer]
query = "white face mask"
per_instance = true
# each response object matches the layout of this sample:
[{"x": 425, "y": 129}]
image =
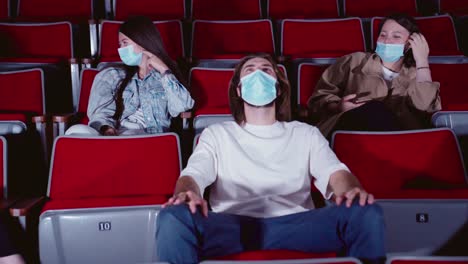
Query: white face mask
[
  {"x": 258, "y": 88},
  {"x": 129, "y": 56},
  {"x": 389, "y": 52}
]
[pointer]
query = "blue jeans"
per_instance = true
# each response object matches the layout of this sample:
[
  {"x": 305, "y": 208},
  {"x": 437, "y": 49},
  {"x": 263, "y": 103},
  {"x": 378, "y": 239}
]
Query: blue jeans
[{"x": 183, "y": 237}]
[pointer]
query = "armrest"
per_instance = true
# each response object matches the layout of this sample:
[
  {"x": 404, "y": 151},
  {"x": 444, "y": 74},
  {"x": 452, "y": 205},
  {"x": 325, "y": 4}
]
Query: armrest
[
  {"x": 185, "y": 116},
  {"x": 6, "y": 203},
  {"x": 65, "y": 118},
  {"x": 23, "y": 207},
  {"x": 62, "y": 122},
  {"x": 39, "y": 119}
]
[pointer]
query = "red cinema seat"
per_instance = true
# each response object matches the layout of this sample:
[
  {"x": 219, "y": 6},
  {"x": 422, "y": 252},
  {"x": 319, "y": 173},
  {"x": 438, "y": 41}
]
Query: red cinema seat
[
  {"x": 226, "y": 10},
  {"x": 302, "y": 9},
  {"x": 154, "y": 9},
  {"x": 105, "y": 193}
]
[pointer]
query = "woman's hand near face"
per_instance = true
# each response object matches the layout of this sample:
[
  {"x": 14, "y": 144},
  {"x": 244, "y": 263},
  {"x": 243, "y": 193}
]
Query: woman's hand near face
[
  {"x": 152, "y": 61},
  {"x": 420, "y": 49}
]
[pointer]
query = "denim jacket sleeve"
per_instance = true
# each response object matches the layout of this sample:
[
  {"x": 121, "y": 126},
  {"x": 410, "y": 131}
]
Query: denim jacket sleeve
[
  {"x": 101, "y": 105},
  {"x": 179, "y": 99}
]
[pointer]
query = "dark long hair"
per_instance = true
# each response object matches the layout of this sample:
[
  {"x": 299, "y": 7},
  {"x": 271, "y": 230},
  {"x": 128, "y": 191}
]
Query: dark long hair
[
  {"x": 409, "y": 23},
  {"x": 282, "y": 101},
  {"x": 143, "y": 32}
]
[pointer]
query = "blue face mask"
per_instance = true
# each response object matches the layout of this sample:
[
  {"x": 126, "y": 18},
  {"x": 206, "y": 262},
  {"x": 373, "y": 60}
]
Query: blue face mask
[
  {"x": 129, "y": 57},
  {"x": 258, "y": 88},
  {"x": 389, "y": 52}
]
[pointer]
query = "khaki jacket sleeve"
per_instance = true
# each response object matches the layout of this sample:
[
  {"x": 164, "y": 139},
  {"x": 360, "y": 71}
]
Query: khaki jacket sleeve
[{"x": 424, "y": 96}]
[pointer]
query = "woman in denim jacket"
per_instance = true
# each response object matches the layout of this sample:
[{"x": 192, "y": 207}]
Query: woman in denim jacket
[{"x": 142, "y": 95}]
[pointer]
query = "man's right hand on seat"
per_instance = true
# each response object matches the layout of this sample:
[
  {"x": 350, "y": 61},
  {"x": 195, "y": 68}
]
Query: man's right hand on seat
[{"x": 192, "y": 199}]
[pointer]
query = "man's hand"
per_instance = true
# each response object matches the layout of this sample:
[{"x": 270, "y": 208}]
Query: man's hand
[
  {"x": 192, "y": 199},
  {"x": 349, "y": 196}
]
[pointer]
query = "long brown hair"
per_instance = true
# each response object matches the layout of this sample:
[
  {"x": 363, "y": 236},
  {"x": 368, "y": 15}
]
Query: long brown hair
[
  {"x": 283, "y": 89},
  {"x": 409, "y": 23},
  {"x": 143, "y": 32}
]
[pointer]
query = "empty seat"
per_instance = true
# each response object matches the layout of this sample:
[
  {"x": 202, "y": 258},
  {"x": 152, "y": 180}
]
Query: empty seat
[
  {"x": 226, "y": 10},
  {"x": 22, "y": 122},
  {"x": 22, "y": 47},
  {"x": 76, "y": 11},
  {"x": 302, "y": 9},
  {"x": 154, "y": 9},
  {"x": 230, "y": 40},
  {"x": 338, "y": 37},
  {"x": 454, "y": 7},
  {"x": 307, "y": 77},
  {"x": 107, "y": 199},
  {"x": 418, "y": 178},
  {"x": 370, "y": 8},
  {"x": 170, "y": 31},
  {"x": 61, "y": 123},
  {"x": 439, "y": 32},
  {"x": 209, "y": 89},
  {"x": 454, "y": 96}
]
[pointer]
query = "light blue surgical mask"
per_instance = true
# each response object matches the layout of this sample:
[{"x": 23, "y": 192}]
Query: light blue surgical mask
[
  {"x": 129, "y": 57},
  {"x": 258, "y": 88},
  {"x": 389, "y": 52}
]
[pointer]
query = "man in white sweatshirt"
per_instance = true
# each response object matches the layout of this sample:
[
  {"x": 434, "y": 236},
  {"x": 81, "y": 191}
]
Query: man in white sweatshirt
[{"x": 260, "y": 168}]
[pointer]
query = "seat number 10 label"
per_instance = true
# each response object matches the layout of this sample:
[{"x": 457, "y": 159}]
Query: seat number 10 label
[{"x": 105, "y": 226}]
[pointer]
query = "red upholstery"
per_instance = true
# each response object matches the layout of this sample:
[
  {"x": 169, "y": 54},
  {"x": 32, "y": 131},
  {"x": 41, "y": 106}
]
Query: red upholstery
[
  {"x": 308, "y": 76},
  {"x": 391, "y": 165},
  {"x": 104, "y": 167},
  {"x": 4, "y": 9},
  {"x": 453, "y": 85},
  {"x": 170, "y": 31},
  {"x": 3, "y": 167},
  {"x": 302, "y": 9},
  {"x": 439, "y": 32},
  {"x": 103, "y": 202},
  {"x": 231, "y": 39},
  {"x": 371, "y": 8},
  {"x": 87, "y": 79},
  {"x": 226, "y": 10},
  {"x": 338, "y": 37},
  {"x": 21, "y": 94},
  {"x": 454, "y": 7},
  {"x": 76, "y": 11},
  {"x": 154, "y": 9},
  {"x": 209, "y": 88},
  {"x": 38, "y": 42},
  {"x": 276, "y": 255}
]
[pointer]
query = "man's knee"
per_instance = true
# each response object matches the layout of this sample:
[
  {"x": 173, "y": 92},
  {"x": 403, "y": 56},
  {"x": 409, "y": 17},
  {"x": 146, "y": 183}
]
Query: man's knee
[
  {"x": 169, "y": 217},
  {"x": 368, "y": 216}
]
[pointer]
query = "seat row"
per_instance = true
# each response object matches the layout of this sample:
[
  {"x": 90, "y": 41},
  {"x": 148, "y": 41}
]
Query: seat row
[
  {"x": 80, "y": 11},
  {"x": 103, "y": 198}
]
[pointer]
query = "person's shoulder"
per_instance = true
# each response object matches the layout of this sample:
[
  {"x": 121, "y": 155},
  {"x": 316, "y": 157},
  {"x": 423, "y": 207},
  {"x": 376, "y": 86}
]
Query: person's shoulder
[
  {"x": 225, "y": 125},
  {"x": 302, "y": 126},
  {"x": 356, "y": 56},
  {"x": 111, "y": 72}
]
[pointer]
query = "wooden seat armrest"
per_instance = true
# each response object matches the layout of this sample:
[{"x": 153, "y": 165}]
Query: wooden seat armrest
[
  {"x": 65, "y": 118},
  {"x": 24, "y": 206},
  {"x": 39, "y": 119},
  {"x": 186, "y": 115},
  {"x": 6, "y": 203}
]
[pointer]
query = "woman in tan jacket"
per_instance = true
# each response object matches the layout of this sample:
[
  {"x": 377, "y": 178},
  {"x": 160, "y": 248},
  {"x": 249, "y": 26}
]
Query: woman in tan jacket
[{"x": 390, "y": 89}]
